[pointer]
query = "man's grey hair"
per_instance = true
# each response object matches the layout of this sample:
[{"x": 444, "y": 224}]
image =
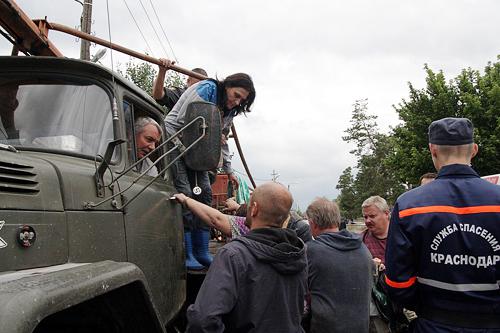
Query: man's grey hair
[
  {"x": 141, "y": 122},
  {"x": 376, "y": 201},
  {"x": 324, "y": 213}
]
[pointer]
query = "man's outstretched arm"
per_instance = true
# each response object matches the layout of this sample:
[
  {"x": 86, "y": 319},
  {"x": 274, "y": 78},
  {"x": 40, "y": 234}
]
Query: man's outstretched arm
[
  {"x": 207, "y": 214},
  {"x": 159, "y": 82}
]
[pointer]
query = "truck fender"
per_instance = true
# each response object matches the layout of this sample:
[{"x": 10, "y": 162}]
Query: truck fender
[{"x": 32, "y": 296}]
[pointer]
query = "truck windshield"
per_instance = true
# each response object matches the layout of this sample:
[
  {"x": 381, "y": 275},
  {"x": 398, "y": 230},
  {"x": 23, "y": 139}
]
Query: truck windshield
[{"x": 55, "y": 116}]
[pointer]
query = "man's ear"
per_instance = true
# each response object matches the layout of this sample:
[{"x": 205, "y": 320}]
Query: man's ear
[
  {"x": 475, "y": 149},
  {"x": 312, "y": 224},
  {"x": 433, "y": 150},
  {"x": 254, "y": 209}
]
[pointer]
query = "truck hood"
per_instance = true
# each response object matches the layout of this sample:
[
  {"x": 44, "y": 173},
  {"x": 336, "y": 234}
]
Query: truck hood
[
  {"x": 31, "y": 208},
  {"x": 28, "y": 183},
  {"x": 42, "y": 181}
]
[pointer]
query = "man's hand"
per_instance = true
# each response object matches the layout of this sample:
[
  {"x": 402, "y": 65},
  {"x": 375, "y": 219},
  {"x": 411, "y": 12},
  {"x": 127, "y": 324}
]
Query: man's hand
[
  {"x": 231, "y": 205},
  {"x": 181, "y": 198},
  {"x": 165, "y": 64},
  {"x": 159, "y": 81},
  {"x": 223, "y": 140},
  {"x": 379, "y": 265},
  {"x": 234, "y": 180}
]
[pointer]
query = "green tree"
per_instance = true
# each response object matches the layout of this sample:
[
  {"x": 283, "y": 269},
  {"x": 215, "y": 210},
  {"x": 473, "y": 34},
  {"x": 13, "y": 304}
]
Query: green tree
[
  {"x": 143, "y": 74},
  {"x": 347, "y": 197},
  {"x": 479, "y": 97},
  {"x": 373, "y": 175},
  {"x": 469, "y": 95},
  {"x": 363, "y": 130},
  {"x": 387, "y": 164}
]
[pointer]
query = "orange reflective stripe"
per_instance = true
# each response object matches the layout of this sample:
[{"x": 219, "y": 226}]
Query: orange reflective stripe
[
  {"x": 449, "y": 209},
  {"x": 404, "y": 284}
]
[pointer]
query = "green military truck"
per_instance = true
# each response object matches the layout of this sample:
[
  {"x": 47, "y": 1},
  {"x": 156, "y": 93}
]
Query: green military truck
[{"x": 87, "y": 242}]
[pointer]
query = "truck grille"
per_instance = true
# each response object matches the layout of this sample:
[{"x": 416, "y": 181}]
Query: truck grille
[{"x": 18, "y": 178}]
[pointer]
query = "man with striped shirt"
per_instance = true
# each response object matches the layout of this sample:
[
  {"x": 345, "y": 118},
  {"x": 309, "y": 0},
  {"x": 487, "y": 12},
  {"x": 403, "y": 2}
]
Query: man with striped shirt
[{"x": 443, "y": 251}]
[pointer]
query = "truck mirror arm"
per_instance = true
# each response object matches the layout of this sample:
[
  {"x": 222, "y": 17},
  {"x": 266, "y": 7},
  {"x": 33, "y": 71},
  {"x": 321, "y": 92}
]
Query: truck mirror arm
[
  {"x": 178, "y": 145},
  {"x": 99, "y": 181}
]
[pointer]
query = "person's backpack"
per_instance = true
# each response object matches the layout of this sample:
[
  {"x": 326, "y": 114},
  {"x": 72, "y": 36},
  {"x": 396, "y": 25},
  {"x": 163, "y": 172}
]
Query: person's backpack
[{"x": 389, "y": 312}]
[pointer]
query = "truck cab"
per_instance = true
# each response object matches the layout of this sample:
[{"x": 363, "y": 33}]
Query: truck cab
[{"x": 87, "y": 241}]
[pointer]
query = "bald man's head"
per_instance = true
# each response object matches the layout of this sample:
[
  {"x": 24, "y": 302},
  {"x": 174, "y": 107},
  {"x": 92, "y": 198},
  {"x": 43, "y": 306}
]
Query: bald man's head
[{"x": 270, "y": 205}]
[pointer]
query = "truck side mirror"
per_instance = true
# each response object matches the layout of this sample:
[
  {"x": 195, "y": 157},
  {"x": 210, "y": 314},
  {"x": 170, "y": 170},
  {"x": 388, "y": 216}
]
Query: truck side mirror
[
  {"x": 106, "y": 160},
  {"x": 205, "y": 154}
]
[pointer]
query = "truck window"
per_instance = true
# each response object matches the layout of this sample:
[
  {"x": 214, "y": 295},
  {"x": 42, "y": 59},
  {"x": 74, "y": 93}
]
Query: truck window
[
  {"x": 132, "y": 111},
  {"x": 57, "y": 116}
]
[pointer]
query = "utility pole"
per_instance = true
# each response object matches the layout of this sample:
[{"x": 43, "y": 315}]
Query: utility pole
[
  {"x": 275, "y": 175},
  {"x": 86, "y": 23}
]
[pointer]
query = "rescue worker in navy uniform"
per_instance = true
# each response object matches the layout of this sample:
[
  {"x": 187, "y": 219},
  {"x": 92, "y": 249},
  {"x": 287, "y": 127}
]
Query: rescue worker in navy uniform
[{"x": 443, "y": 250}]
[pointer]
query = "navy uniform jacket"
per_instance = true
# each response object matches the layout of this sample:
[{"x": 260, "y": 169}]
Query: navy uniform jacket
[{"x": 443, "y": 247}]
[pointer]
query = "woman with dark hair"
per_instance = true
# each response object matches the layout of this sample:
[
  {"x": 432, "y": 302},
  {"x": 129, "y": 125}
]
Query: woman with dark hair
[
  {"x": 233, "y": 95},
  {"x": 234, "y": 86}
]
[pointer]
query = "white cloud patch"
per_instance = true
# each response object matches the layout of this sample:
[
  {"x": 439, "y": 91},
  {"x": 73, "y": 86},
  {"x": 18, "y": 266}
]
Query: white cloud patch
[{"x": 310, "y": 61}]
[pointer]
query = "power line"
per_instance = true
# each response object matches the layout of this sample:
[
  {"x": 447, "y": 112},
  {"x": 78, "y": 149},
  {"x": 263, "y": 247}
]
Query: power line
[
  {"x": 163, "y": 30},
  {"x": 137, "y": 25},
  {"x": 257, "y": 179},
  {"x": 154, "y": 29},
  {"x": 275, "y": 175},
  {"x": 109, "y": 34}
]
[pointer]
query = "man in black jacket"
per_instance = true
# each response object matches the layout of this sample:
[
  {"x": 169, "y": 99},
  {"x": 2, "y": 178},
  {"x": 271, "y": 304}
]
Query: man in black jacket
[
  {"x": 257, "y": 282},
  {"x": 168, "y": 97}
]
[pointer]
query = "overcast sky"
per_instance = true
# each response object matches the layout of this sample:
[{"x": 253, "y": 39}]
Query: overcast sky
[{"x": 310, "y": 61}]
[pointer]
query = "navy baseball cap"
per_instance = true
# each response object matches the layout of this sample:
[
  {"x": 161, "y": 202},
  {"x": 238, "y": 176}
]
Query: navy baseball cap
[{"x": 451, "y": 132}]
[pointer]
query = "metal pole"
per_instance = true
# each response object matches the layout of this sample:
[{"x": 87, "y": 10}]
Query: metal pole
[
  {"x": 77, "y": 33},
  {"x": 240, "y": 151},
  {"x": 25, "y": 32},
  {"x": 74, "y": 32},
  {"x": 86, "y": 23}
]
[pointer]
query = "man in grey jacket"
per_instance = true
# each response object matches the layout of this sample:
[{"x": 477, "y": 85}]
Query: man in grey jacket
[
  {"x": 257, "y": 282},
  {"x": 340, "y": 273}
]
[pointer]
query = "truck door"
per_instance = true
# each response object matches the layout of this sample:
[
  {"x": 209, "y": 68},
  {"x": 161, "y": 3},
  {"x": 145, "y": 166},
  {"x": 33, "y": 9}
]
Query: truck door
[{"x": 153, "y": 226}]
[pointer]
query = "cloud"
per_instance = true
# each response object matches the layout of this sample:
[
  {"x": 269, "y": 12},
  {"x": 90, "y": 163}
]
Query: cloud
[{"x": 310, "y": 61}]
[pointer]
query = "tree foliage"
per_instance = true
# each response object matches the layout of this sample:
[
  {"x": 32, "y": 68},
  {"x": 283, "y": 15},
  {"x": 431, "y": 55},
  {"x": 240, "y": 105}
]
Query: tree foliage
[
  {"x": 347, "y": 198},
  {"x": 363, "y": 130},
  {"x": 144, "y": 73},
  {"x": 470, "y": 95},
  {"x": 373, "y": 175},
  {"x": 387, "y": 164}
]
